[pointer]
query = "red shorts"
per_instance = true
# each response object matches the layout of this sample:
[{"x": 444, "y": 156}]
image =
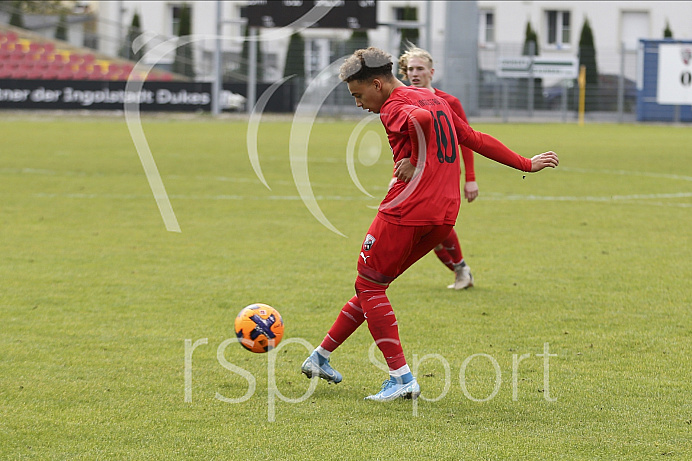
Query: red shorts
[{"x": 389, "y": 249}]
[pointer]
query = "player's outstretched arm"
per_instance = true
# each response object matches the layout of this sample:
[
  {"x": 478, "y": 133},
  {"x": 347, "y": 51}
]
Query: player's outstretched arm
[
  {"x": 492, "y": 148},
  {"x": 545, "y": 160}
]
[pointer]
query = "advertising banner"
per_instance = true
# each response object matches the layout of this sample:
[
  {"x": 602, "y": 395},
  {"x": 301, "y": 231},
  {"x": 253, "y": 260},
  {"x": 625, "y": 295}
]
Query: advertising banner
[
  {"x": 111, "y": 95},
  {"x": 674, "y": 74}
]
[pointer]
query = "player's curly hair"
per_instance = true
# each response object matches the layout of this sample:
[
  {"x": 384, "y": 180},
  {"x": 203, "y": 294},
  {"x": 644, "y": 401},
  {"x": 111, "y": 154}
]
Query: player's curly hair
[
  {"x": 412, "y": 51},
  {"x": 366, "y": 64}
]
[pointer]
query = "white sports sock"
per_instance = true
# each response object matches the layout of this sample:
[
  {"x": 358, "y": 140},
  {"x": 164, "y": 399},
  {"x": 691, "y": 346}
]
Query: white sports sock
[
  {"x": 399, "y": 372},
  {"x": 323, "y": 352}
]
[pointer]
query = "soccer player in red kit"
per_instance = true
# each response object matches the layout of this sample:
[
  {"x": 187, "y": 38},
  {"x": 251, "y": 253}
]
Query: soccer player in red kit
[
  {"x": 417, "y": 213},
  {"x": 416, "y": 66}
]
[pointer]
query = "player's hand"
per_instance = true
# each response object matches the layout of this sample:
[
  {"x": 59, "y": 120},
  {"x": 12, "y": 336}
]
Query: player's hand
[
  {"x": 471, "y": 190},
  {"x": 544, "y": 160},
  {"x": 404, "y": 170}
]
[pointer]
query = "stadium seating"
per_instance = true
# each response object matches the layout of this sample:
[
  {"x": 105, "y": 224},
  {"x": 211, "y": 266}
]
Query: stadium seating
[{"x": 26, "y": 58}]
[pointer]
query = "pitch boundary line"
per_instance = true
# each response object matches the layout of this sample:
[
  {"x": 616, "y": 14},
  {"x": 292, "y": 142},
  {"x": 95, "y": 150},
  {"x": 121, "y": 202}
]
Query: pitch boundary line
[{"x": 634, "y": 199}]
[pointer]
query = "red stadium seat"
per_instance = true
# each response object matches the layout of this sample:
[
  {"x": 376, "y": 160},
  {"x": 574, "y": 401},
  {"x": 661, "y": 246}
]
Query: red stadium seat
[
  {"x": 34, "y": 74},
  {"x": 41, "y": 64},
  {"x": 65, "y": 74},
  {"x": 99, "y": 69},
  {"x": 126, "y": 70},
  {"x": 36, "y": 48},
  {"x": 18, "y": 53},
  {"x": 75, "y": 58},
  {"x": 5, "y": 71},
  {"x": 19, "y": 73},
  {"x": 56, "y": 66},
  {"x": 96, "y": 75},
  {"x": 81, "y": 75},
  {"x": 27, "y": 64},
  {"x": 22, "y": 45},
  {"x": 8, "y": 38},
  {"x": 50, "y": 74}
]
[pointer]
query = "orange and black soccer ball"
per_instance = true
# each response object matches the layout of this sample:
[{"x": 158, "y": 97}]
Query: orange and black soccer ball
[{"x": 259, "y": 328}]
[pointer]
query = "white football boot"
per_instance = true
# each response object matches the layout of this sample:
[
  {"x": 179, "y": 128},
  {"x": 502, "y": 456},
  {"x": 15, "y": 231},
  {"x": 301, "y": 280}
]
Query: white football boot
[
  {"x": 392, "y": 390},
  {"x": 462, "y": 277}
]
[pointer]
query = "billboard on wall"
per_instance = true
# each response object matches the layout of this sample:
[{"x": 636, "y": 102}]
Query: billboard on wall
[
  {"x": 103, "y": 95},
  {"x": 112, "y": 95},
  {"x": 343, "y": 14},
  {"x": 664, "y": 77},
  {"x": 674, "y": 74}
]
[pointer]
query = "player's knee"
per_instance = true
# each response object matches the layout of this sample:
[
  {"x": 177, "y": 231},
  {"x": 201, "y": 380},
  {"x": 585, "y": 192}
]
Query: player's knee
[{"x": 365, "y": 284}]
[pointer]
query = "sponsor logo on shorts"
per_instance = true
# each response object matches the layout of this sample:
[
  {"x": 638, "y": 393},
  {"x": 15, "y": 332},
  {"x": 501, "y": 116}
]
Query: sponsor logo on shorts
[{"x": 365, "y": 258}]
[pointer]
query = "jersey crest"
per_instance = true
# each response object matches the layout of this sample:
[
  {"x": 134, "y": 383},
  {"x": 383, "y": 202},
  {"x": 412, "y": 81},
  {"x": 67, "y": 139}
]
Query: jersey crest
[{"x": 368, "y": 243}]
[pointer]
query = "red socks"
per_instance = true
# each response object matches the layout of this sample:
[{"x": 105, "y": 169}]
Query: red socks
[
  {"x": 450, "y": 253},
  {"x": 443, "y": 256},
  {"x": 382, "y": 322},
  {"x": 348, "y": 321},
  {"x": 371, "y": 302}
]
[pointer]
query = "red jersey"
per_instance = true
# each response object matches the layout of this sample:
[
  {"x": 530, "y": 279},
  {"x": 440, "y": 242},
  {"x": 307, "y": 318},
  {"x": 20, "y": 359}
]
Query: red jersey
[
  {"x": 432, "y": 197},
  {"x": 466, "y": 153}
]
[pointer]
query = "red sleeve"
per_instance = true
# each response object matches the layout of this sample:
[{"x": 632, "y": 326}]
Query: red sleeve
[
  {"x": 489, "y": 146},
  {"x": 466, "y": 153},
  {"x": 419, "y": 122}
]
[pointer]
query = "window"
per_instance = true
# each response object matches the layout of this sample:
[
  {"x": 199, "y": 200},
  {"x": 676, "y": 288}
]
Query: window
[
  {"x": 317, "y": 56},
  {"x": 635, "y": 25},
  {"x": 486, "y": 28},
  {"x": 559, "y": 28},
  {"x": 175, "y": 20},
  {"x": 407, "y": 13}
]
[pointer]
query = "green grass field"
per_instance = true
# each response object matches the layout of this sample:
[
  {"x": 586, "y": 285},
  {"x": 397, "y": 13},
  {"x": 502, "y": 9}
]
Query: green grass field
[{"x": 592, "y": 260}]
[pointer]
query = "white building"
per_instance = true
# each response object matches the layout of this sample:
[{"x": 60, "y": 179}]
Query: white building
[{"x": 501, "y": 30}]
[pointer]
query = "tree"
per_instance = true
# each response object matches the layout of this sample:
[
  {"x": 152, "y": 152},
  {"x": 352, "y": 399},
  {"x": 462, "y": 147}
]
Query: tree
[
  {"x": 410, "y": 13},
  {"x": 184, "y": 63},
  {"x": 357, "y": 41},
  {"x": 17, "y": 18},
  {"x": 667, "y": 33},
  {"x": 132, "y": 33},
  {"x": 61, "y": 30},
  {"x": 295, "y": 57},
  {"x": 295, "y": 65},
  {"x": 587, "y": 58},
  {"x": 531, "y": 37}
]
